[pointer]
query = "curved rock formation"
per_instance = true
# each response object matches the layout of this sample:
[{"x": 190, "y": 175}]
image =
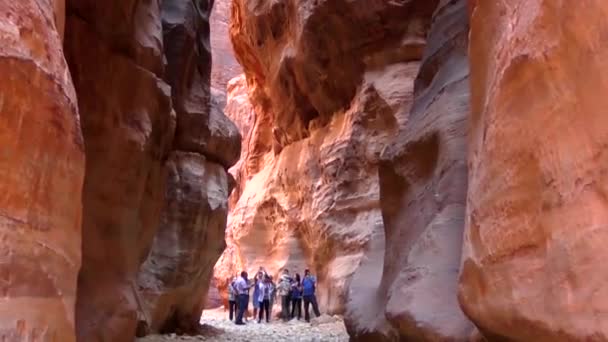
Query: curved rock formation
[
  {"x": 224, "y": 66},
  {"x": 115, "y": 50},
  {"x": 175, "y": 277},
  {"x": 422, "y": 194},
  {"x": 326, "y": 97},
  {"x": 128, "y": 126},
  {"x": 41, "y": 176},
  {"x": 536, "y": 211}
]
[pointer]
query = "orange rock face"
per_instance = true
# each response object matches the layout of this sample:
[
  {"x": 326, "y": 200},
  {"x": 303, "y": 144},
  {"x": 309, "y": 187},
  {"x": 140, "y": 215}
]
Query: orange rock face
[
  {"x": 325, "y": 96},
  {"x": 536, "y": 212},
  {"x": 41, "y": 177},
  {"x": 128, "y": 126},
  {"x": 132, "y": 120}
]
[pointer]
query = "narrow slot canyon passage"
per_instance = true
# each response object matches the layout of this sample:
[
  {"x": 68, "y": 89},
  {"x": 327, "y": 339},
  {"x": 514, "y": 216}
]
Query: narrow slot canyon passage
[{"x": 403, "y": 170}]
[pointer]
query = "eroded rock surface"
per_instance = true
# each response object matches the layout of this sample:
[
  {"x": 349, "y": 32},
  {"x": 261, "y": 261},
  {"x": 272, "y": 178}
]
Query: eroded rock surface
[
  {"x": 128, "y": 126},
  {"x": 423, "y": 183},
  {"x": 133, "y": 135},
  {"x": 536, "y": 216},
  {"x": 175, "y": 277},
  {"x": 41, "y": 176},
  {"x": 224, "y": 66},
  {"x": 325, "y": 97}
]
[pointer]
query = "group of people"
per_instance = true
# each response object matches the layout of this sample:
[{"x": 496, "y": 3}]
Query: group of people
[{"x": 292, "y": 291}]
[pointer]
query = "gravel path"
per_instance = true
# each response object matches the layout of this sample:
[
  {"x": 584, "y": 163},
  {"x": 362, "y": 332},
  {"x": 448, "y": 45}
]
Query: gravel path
[{"x": 322, "y": 329}]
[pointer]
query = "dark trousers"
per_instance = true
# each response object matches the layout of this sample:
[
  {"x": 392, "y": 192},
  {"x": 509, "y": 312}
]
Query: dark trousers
[
  {"x": 315, "y": 307},
  {"x": 296, "y": 305},
  {"x": 232, "y": 307},
  {"x": 264, "y": 306},
  {"x": 285, "y": 307},
  {"x": 242, "y": 306}
]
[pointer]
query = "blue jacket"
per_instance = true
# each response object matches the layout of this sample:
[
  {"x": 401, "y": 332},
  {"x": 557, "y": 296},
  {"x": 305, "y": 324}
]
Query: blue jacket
[
  {"x": 308, "y": 286},
  {"x": 296, "y": 291}
]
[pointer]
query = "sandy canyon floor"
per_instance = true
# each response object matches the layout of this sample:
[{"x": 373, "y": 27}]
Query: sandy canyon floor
[{"x": 219, "y": 328}]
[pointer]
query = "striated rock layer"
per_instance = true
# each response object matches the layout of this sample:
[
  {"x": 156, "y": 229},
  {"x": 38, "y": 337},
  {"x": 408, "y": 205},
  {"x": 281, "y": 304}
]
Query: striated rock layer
[
  {"x": 174, "y": 279},
  {"x": 133, "y": 136},
  {"x": 128, "y": 126},
  {"x": 536, "y": 209},
  {"x": 41, "y": 176},
  {"x": 326, "y": 95},
  {"x": 422, "y": 195}
]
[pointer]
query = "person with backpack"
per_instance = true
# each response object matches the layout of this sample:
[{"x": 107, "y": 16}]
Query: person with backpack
[
  {"x": 284, "y": 289},
  {"x": 264, "y": 299},
  {"x": 309, "y": 288},
  {"x": 256, "y": 294},
  {"x": 296, "y": 297},
  {"x": 232, "y": 297}
]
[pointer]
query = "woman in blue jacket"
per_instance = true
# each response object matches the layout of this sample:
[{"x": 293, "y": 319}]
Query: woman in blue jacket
[{"x": 296, "y": 297}]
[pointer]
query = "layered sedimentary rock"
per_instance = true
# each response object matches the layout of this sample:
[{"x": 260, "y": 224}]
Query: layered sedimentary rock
[
  {"x": 41, "y": 176},
  {"x": 536, "y": 212},
  {"x": 423, "y": 183},
  {"x": 128, "y": 126},
  {"x": 174, "y": 279},
  {"x": 326, "y": 96},
  {"x": 116, "y": 51},
  {"x": 224, "y": 67}
]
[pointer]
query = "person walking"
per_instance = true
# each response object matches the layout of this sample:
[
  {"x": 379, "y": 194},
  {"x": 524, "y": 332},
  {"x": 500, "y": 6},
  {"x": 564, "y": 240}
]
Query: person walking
[
  {"x": 309, "y": 287},
  {"x": 296, "y": 297},
  {"x": 232, "y": 297},
  {"x": 242, "y": 289},
  {"x": 264, "y": 299},
  {"x": 284, "y": 289}
]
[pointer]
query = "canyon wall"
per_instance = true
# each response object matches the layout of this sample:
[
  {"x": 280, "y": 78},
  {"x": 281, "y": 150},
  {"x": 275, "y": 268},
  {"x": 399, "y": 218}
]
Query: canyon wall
[
  {"x": 42, "y": 166},
  {"x": 423, "y": 182},
  {"x": 157, "y": 149},
  {"x": 174, "y": 279},
  {"x": 115, "y": 57},
  {"x": 325, "y": 97},
  {"x": 224, "y": 67},
  {"x": 536, "y": 210}
]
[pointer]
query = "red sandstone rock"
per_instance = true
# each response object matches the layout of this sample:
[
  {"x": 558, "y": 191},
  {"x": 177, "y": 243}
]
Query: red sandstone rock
[
  {"x": 128, "y": 127},
  {"x": 41, "y": 176},
  {"x": 175, "y": 277},
  {"x": 224, "y": 66},
  {"x": 333, "y": 95},
  {"x": 325, "y": 96},
  {"x": 536, "y": 215}
]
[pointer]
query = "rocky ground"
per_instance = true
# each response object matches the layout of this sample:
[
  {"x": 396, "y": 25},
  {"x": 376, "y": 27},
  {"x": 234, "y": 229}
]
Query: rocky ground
[{"x": 218, "y": 328}]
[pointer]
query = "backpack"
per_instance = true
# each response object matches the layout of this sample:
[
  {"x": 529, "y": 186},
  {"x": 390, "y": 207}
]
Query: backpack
[{"x": 308, "y": 286}]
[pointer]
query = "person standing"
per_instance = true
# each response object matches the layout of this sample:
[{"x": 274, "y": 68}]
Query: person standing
[
  {"x": 296, "y": 297},
  {"x": 242, "y": 288},
  {"x": 232, "y": 297},
  {"x": 309, "y": 287},
  {"x": 284, "y": 289},
  {"x": 256, "y": 294},
  {"x": 264, "y": 299},
  {"x": 273, "y": 293}
]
